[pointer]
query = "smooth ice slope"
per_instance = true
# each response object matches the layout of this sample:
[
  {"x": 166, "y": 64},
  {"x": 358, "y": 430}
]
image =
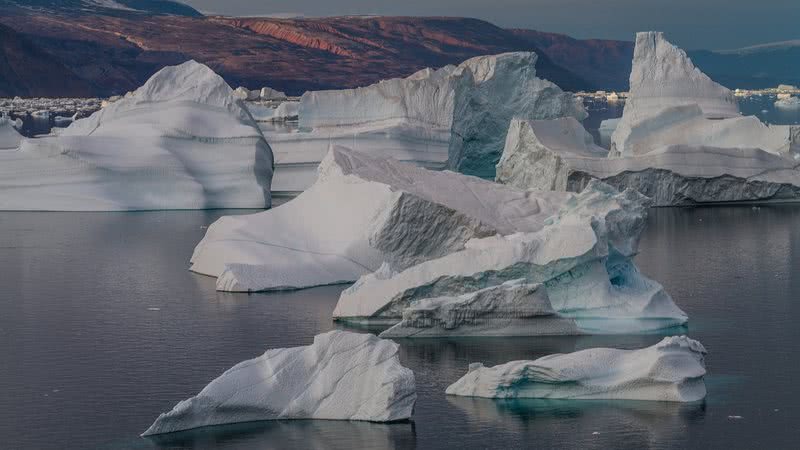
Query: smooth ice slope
[
  {"x": 514, "y": 308},
  {"x": 671, "y": 370},
  {"x": 394, "y": 212},
  {"x": 582, "y": 256},
  {"x": 341, "y": 376},
  {"x": 456, "y": 116},
  {"x": 9, "y": 137},
  {"x": 181, "y": 141}
]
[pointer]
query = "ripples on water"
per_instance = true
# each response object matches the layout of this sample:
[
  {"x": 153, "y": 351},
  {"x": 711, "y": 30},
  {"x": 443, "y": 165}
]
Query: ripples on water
[{"x": 88, "y": 363}]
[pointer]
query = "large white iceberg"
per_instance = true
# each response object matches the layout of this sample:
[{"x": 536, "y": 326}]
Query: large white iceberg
[
  {"x": 181, "y": 141},
  {"x": 680, "y": 141},
  {"x": 671, "y": 102},
  {"x": 558, "y": 155},
  {"x": 581, "y": 256},
  {"x": 341, "y": 376},
  {"x": 361, "y": 212},
  {"x": 788, "y": 103},
  {"x": 671, "y": 371},
  {"x": 455, "y": 117}
]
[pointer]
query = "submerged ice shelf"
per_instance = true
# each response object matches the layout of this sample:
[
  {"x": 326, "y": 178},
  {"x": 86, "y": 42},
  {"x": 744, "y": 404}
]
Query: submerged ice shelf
[
  {"x": 341, "y": 376},
  {"x": 181, "y": 141},
  {"x": 671, "y": 371}
]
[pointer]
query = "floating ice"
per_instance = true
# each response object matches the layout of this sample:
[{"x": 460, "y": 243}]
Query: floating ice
[
  {"x": 581, "y": 256},
  {"x": 181, "y": 141},
  {"x": 788, "y": 103},
  {"x": 556, "y": 154},
  {"x": 392, "y": 212},
  {"x": 671, "y": 370},
  {"x": 341, "y": 376},
  {"x": 458, "y": 114}
]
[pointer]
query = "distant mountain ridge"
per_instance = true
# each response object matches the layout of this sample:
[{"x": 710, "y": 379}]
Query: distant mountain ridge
[{"x": 113, "y": 46}]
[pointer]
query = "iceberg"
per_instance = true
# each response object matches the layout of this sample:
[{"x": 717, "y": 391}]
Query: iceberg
[
  {"x": 582, "y": 257},
  {"x": 606, "y": 130},
  {"x": 514, "y": 308},
  {"x": 680, "y": 141},
  {"x": 267, "y": 93},
  {"x": 9, "y": 137},
  {"x": 670, "y": 371},
  {"x": 788, "y": 103},
  {"x": 454, "y": 117},
  {"x": 558, "y": 155},
  {"x": 287, "y": 110},
  {"x": 395, "y": 213},
  {"x": 672, "y": 102},
  {"x": 341, "y": 376},
  {"x": 181, "y": 141}
]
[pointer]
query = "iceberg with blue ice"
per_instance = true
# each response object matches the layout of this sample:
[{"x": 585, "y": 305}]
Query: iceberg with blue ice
[
  {"x": 669, "y": 371},
  {"x": 341, "y": 376},
  {"x": 455, "y": 117}
]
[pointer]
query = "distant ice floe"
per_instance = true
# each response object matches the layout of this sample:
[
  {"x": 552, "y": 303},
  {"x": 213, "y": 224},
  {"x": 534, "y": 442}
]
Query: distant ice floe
[
  {"x": 670, "y": 371},
  {"x": 681, "y": 140},
  {"x": 341, "y": 376},
  {"x": 788, "y": 103},
  {"x": 181, "y": 141}
]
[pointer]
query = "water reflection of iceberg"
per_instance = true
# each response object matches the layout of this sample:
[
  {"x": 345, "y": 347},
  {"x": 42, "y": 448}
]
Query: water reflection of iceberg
[
  {"x": 310, "y": 434},
  {"x": 585, "y": 422}
]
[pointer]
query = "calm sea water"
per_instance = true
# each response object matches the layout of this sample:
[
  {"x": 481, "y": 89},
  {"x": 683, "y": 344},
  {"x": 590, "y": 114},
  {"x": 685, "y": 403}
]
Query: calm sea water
[{"x": 89, "y": 362}]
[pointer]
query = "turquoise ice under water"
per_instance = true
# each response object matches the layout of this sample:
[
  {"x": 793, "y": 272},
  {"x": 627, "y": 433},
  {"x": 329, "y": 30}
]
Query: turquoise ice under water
[{"x": 103, "y": 327}]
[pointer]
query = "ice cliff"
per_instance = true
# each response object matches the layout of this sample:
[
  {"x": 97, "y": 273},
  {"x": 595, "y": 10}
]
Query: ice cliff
[
  {"x": 181, "y": 141},
  {"x": 9, "y": 137},
  {"x": 671, "y": 371},
  {"x": 392, "y": 212},
  {"x": 341, "y": 376},
  {"x": 455, "y": 117}
]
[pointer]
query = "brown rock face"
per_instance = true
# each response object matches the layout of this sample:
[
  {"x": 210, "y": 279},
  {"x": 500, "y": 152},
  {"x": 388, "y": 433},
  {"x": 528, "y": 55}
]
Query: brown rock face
[{"x": 116, "y": 53}]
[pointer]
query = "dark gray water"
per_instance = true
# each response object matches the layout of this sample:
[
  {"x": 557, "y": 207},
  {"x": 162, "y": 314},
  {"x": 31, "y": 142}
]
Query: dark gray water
[{"x": 87, "y": 364}]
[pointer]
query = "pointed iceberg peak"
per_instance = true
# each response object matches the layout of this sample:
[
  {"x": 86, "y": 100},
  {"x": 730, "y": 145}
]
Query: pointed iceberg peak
[{"x": 663, "y": 75}]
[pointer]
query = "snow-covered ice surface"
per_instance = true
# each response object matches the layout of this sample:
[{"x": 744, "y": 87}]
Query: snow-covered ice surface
[
  {"x": 581, "y": 256},
  {"x": 9, "y": 137},
  {"x": 181, "y": 141},
  {"x": 394, "y": 212},
  {"x": 671, "y": 370},
  {"x": 341, "y": 376},
  {"x": 514, "y": 308},
  {"x": 458, "y": 114}
]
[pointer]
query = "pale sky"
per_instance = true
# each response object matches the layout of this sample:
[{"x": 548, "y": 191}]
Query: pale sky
[{"x": 712, "y": 24}]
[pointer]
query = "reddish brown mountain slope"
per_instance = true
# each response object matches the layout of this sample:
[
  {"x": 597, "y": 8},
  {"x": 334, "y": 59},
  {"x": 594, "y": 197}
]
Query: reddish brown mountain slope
[{"x": 26, "y": 70}]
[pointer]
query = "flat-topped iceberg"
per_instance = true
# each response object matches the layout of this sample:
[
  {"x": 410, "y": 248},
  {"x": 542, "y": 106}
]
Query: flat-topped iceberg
[
  {"x": 455, "y": 117},
  {"x": 392, "y": 212},
  {"x": 514, "y": 308},
  {"x": 582, "y": 257},
  {"x": 181, "y": 141},
  {"x": 558, "y": 155},
  {"x": 341, "y": 376},
  {"x": 788, "y": 103},
  {"x": 670, "y": 371}
]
